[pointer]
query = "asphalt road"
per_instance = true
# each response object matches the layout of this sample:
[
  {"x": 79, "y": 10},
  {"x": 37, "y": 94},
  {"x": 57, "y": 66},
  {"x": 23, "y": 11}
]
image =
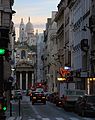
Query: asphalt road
[{"x": 26, "y": 111}]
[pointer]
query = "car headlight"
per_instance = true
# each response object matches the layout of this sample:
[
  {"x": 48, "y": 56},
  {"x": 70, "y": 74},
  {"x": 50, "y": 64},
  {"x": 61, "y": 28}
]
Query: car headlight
[
  {"x": 43, "y": 97},
  {"x": 34, "y": 97}
]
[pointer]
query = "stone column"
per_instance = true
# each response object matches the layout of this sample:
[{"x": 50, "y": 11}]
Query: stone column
[
  {"x": 32, "y": 78},
  {"x": 20, "y": 80},
  {"x": 26, "y": 81}
]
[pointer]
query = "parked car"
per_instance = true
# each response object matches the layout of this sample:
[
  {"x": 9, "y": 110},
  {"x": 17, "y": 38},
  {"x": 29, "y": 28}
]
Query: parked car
[
  {"x": 77, "y": 104},
  {"x": 60, "y": 102},
  {"x": 70, "y": 98},
  {"x": 87, "y": 105},
  {"x": 52, "y": 97}
]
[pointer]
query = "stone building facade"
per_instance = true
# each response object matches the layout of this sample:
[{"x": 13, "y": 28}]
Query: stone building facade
[{"x": 75, "y": 42}]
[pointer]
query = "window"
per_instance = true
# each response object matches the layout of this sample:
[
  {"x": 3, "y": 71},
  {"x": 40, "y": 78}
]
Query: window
[
  {"x": 23, "y": 54},
  {"x": 5, "y": 19}
]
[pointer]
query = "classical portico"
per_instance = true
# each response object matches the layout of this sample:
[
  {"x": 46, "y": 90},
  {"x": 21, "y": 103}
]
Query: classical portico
[{"x": 24, "y": 75}]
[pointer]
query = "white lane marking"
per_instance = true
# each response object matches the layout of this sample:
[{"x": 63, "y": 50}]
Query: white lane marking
[
  {"x": 60, "y": 119},
  {"x": 11, "y": 118},
  {"x": 31, "y": 119},
  {"x": 19, "y": 118},
  {"x": 45, "y": 119}
]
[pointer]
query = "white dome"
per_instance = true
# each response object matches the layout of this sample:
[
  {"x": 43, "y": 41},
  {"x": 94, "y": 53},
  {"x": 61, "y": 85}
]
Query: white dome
[{"x": 29, "y": 27}]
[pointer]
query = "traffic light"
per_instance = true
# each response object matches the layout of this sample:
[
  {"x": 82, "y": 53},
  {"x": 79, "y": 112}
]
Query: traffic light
[
  {"x": 5, "y": 52},
  {"x": 3, "y": 104},
  {"x": 2, "y": 51}
]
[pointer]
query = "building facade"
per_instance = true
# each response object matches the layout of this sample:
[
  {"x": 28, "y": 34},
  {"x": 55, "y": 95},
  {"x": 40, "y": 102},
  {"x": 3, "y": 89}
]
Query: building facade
[
  {"x": 75, "y": 43},
  {"x": 40, "y": 47}
]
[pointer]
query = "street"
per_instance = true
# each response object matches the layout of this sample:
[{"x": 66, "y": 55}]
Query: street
[{"x": 40, "y": 111}]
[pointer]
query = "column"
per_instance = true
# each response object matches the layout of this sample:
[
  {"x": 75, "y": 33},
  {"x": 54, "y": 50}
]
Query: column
[
  {"x": 20, "y": 80},
  {"x": 26, "y": 81},
  {"x": 32, "y": 78}
]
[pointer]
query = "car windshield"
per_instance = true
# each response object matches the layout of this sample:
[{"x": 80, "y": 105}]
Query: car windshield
[{"x": 39, "y": 90}]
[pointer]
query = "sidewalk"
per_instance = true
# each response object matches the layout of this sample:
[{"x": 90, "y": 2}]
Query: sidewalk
[{"x": 14, "y": 115}]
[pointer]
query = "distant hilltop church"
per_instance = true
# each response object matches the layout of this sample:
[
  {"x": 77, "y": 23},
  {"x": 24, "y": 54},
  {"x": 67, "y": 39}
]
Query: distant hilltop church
[
  {"x": 26, "y": 33},
  {"x": 26, "y": 48}
]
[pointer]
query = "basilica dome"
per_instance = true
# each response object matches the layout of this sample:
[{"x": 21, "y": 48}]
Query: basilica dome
[{"x": 29, "y": 27}]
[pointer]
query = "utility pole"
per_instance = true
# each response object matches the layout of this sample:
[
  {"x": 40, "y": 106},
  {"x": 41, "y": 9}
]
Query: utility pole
[
  {"x": 1, "y": 75},
  {"x": 2, "y": 113}
]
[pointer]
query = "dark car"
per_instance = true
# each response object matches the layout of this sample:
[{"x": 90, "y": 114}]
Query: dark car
[
  {"x": 38, "y": 97},
  {"x": 87, "y": 105},
  {"x": 60, "y": 102},
  {"x": 77, "y": 104}
]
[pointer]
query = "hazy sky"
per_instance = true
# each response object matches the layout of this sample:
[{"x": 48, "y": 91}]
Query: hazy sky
[{"x": 37, "y": 10}]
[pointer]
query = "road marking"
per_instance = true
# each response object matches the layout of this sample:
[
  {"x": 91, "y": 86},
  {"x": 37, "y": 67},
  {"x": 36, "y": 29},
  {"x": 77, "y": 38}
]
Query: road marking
[
  {"x": 45, "y": 119},
  {"x": 60, "y": 119},
  {"x": 31, "y": 119},
  {"x": 19, "y": 118},
  {"x": 11, "y": 118}
]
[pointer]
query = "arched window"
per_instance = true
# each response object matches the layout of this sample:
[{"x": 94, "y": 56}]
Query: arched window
[{"x": 23, "y": 54}]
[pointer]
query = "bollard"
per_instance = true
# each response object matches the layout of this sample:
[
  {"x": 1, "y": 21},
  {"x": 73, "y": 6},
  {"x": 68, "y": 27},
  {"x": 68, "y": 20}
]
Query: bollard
[{"x": 19, "y": 106}]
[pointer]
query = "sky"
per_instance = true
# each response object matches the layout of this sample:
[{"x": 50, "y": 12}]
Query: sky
[{"x": 37, "y": 10}]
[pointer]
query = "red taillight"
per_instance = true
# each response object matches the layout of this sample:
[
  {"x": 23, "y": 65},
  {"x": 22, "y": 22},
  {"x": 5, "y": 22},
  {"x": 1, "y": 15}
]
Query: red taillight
[{"x": 0, "y": 106}]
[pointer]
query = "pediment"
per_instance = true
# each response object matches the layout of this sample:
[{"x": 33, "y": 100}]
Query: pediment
[{"x": 24, "y": 64}]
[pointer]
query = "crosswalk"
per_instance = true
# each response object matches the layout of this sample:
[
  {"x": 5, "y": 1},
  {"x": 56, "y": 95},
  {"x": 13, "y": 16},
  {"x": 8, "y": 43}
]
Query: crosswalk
[
  {"x": 14, "y": 118},
  {"x": 71, "y": 118}
]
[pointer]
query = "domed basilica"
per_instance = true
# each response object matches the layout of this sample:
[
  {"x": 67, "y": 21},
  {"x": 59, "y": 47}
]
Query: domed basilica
[{"x": 26, "y": 56}]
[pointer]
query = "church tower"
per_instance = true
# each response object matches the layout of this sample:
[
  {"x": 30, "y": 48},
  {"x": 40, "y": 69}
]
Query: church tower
[{"x": 22, "y": 31}]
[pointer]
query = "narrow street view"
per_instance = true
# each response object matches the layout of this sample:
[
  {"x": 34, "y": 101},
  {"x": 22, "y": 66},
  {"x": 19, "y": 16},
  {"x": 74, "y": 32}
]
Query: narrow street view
[
  {"x": 47, "y": 59},
  {"x": 39, "y": 111}
]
